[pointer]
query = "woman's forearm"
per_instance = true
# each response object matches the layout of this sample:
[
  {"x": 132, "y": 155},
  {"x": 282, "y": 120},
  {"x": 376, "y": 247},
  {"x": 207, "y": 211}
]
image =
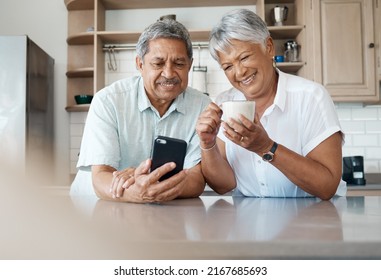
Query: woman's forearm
[{"x": 217, "y": 171}]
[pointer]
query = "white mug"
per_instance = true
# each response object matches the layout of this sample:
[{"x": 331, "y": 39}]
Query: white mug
[{"x": 232, "y": 109}]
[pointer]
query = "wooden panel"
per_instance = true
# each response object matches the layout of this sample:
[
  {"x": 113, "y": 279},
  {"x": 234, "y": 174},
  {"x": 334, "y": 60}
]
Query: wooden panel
[
  {"x": 377, "y": 14},
  {"x": 285, "y": 32},
  {"x": 81, "y": 39},
  {"x": 81, "y": 72},
  {"x": 80, "y": 57},
  {"x": 80, "y": 21},
  {"x": 100, "y": 19},
  {"x": 77, "y": 86},
  {"x": 345, "y": 62},
  {"x": 99, "y": 60},
  {"x": 72, "y": 5},
  {"x": 140, "y": 4},
  {"x": 342, "y": 46}
]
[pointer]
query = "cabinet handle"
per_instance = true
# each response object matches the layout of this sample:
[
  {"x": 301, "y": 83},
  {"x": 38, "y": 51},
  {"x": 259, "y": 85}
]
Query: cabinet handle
[{"x": 371, "y": 45}]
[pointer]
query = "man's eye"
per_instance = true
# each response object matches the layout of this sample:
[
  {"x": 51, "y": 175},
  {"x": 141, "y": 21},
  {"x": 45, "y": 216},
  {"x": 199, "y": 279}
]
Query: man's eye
[
  {"x": 227, "y": 68},
  {"x": 157, "y": 65},
  {"x": 180, "y": 64}
]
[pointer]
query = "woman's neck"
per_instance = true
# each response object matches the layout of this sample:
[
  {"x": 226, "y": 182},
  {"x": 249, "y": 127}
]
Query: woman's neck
[{"x": 267, "y": 100}]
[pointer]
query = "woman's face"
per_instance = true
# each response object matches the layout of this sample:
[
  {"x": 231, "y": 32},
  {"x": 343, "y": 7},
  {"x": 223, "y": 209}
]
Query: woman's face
[{"x": 249, "y": 67}]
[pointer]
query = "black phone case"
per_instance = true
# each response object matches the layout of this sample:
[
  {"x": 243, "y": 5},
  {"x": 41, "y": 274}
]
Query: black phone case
[{"x": 167, "y": 149}]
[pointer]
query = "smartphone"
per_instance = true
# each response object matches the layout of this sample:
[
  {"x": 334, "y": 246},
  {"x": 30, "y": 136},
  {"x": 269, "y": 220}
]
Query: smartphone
[{"x": 167, "y": 149}]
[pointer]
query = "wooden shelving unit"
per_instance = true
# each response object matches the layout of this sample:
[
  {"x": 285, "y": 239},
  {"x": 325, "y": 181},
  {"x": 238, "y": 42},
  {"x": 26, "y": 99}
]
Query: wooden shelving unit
[{"x": 87, "y": 36}]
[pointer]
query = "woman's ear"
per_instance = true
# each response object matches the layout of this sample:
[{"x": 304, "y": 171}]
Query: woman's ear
[{"x": 270, "y": 49}]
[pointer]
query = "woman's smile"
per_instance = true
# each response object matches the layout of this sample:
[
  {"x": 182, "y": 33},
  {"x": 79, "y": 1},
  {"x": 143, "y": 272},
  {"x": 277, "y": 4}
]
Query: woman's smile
[{"x": 248, "y": 80}]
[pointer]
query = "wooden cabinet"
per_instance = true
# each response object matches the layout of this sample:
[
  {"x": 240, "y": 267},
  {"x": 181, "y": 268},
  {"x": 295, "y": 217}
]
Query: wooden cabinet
[
  {"x": 87, "y": 36},
  {"x": 377, "y": 18},
  {"x": 293, "y": 28},
  {"x": 344, "y": 49}
]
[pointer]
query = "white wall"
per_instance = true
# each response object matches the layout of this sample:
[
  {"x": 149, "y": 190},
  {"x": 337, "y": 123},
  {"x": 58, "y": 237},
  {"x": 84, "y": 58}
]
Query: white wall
[{"x": 45, "y": 22}]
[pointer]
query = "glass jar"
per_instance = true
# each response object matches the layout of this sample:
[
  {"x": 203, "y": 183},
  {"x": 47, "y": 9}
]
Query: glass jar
[{"x": 291, "y": 51}]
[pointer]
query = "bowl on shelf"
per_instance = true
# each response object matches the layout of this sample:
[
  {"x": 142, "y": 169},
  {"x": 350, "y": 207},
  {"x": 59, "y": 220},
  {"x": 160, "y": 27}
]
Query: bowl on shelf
[{"x": 83, "y": 99}]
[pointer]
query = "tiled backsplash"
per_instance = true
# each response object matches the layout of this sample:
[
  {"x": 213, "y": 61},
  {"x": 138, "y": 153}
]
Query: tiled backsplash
[{"x": 361, "y": 125}]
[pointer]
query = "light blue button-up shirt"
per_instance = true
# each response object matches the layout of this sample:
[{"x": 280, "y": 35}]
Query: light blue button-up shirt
[{"x": 122, "y": 124}]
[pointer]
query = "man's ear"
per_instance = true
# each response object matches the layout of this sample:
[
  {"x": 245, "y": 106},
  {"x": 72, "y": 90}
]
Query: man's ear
[
  {"x": 190, "y": 65},
  {"x": 139, "y": 63}
]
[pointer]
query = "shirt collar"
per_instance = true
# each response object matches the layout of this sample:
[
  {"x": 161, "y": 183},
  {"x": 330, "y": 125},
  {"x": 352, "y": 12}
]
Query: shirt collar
[
  {"x": 144, "y": 103},
  {"x": 281, "y": 92}
]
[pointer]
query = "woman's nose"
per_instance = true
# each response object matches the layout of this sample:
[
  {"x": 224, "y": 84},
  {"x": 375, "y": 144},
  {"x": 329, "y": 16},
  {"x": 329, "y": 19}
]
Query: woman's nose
[{"x": 240, "y": 71}]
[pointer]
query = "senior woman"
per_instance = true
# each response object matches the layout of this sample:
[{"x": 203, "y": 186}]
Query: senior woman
[{"x": 293, "y": 147}]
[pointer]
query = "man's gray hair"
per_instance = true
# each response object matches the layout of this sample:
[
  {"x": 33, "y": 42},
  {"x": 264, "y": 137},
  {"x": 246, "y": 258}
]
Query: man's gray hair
[
  {"x": 166, "y": 28},
  {"x": 243, "y": 25}
]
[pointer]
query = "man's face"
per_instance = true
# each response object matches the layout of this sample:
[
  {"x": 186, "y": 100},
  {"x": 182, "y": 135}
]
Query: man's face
[{"x": 164, "y": 70}]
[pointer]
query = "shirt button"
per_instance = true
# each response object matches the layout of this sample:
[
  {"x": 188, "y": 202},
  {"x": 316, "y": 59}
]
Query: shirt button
[{"x": 262, "y": 184}]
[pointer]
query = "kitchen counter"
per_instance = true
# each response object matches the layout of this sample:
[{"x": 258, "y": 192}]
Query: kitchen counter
[
  {"x": 366, "y": 187},
  {"x": 209, "y": 227},
  {"x": 251, "y": 228}
]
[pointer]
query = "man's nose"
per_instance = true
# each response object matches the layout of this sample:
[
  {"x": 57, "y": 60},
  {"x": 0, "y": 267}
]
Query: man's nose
[{"x": 168, "y": 71}]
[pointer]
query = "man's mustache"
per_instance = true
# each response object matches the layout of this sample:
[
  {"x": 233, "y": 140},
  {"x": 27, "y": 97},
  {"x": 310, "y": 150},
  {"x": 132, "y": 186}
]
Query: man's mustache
[{"x": 168, "y": 81}]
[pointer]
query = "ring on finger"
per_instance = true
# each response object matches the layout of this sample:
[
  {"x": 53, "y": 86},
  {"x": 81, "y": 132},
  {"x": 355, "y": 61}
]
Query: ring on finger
[{"x": 241, "y": 139}]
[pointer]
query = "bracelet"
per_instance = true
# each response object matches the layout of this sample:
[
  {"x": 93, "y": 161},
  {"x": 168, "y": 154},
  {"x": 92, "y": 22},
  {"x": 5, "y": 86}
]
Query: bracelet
[{"x": 208, "y": 149}]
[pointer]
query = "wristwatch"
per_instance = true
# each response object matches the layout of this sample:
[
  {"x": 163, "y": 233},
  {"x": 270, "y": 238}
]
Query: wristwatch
[{"x": 269, "y": 156}]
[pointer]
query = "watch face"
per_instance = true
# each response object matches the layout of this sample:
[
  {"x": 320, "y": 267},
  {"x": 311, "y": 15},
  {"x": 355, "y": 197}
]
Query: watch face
[{"x": 267, "y": 157}]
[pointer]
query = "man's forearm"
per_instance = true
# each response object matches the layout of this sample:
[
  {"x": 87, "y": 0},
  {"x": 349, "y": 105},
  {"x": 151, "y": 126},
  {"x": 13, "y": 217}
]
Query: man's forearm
[{"x": 102, "y": 179}]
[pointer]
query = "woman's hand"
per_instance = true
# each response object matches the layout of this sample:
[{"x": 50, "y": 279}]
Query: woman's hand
[
  {"x": 208, "y": 125},
  {"x": 249, "y": 135}
]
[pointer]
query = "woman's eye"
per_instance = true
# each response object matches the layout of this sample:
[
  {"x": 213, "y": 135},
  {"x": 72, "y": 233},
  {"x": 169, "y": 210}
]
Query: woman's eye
[{"x": 245, "y": 58}]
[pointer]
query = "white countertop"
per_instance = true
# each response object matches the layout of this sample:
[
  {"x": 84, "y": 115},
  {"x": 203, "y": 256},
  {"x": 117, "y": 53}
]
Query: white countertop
[{"x": 210, "y": 227}]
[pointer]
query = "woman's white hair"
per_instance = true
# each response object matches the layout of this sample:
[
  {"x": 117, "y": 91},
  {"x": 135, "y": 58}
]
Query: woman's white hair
[{"x": 243, "y": 25}]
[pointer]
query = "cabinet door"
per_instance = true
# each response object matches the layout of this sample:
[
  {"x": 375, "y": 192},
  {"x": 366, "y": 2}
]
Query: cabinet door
[
  {"x": 377, "y": 19},
  {"x": 344, "y": 52}
]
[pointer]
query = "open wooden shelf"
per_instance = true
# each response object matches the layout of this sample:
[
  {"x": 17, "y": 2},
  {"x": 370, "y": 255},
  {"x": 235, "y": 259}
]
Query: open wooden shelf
[
  {"x": 86, "y": 61},
  {"x": 286, "y": 31},
  {"x": 291, "y": 67},
  {"x": 78, "y": 108},
  {"x": 85, "y": 38},
  {"x": 81, "y": 73}
]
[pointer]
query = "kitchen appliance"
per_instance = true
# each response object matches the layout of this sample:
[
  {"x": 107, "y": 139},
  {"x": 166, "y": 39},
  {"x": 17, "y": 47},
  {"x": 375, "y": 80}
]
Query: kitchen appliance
[
  {"x": 279, "y": 15},
  {"x": 353, "y": 170},
  {"x": 170, "y": 16},
  {"x": 291, "y": 51},
  {"x": 199, "y": 75},
  {"x": 26, "y": 108}
]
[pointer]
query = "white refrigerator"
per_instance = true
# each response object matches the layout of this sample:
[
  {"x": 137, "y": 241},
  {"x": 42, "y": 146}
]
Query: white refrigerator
[{"x": 26, "y": 109}]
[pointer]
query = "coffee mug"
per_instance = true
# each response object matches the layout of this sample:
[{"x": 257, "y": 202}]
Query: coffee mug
[{"x": 232, "y": 109}]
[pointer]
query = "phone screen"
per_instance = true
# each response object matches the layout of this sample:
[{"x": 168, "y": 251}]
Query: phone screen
[{"x": 167, "y": 149}]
